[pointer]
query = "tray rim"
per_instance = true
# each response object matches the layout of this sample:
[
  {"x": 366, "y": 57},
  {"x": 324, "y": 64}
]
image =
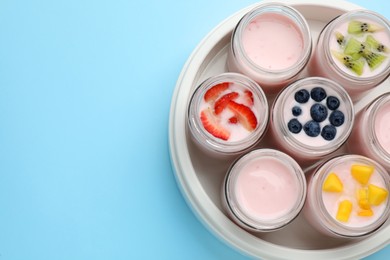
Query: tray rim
[{"x": 217, "y": 222}]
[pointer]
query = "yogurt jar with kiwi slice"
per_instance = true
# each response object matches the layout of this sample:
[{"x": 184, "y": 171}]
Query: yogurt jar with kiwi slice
[{"x": 354, "y": 50}]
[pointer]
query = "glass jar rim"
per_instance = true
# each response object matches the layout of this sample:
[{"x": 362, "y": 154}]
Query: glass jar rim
[
  {"x": 374, "y": 108},
  {"x": 216, "y": 144},
  {"x": 279, "y": 121},
  {"x": 231, "y": 200},
  {"x": 329, "y": 222},
  {"x": 292, "y": 14},
  {"x": 342, "y": 19}
]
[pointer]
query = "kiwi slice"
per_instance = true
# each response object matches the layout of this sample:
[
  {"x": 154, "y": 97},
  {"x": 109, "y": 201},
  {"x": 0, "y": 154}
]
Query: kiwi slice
[
  {"x": 375, "y": 44},
  {"x": 340, "y": 38},
  {"x": 354, "y": 48},
  {"x": 358, "y": 27},
  {"x": 373, "y": 59},
  {"x": 354, "y": 65}
]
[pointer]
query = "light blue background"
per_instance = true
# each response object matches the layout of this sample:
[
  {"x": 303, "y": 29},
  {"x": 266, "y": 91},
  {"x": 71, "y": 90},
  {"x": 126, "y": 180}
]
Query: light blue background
[{"x": 85, "y": 92}]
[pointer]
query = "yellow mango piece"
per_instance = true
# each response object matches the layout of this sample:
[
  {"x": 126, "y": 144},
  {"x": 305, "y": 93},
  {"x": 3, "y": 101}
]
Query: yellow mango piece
[
  {"x": 332, "y": 183},
  {"x": 376, "y": 195},
  {"x": 344, "y": 210},
  {"x": 365, "y": 213},
  {"x": 362, "y": 173},
  {"x": 362, "y": 198}
]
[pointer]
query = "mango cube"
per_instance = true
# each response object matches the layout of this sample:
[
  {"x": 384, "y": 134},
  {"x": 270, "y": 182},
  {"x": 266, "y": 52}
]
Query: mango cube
[
  {"x": 332, "y": 183},
  {"x": 376, "y": 195},
  {"x": 365, "y": 213},
  {"x": 344, "y": 210},
  {"x": 362, "y": 173},
  {"x": 362, "y": 198}
]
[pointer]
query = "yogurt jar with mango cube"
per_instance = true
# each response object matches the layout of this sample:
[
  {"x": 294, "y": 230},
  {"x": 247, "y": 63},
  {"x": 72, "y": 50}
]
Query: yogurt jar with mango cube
[{"x": 348, "y": 197}]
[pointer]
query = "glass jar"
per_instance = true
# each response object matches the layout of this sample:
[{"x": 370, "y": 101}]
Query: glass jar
[
  {"x": 259, "y": 46},
  {"x": 371, "y": 133},
  {"x": 343, "y": 52},
  {"x": 347, "y": 211},
  {"x": 311, "y": 118},
  {"x": 227, "y": 114},
  {"x": 264, "y": 190}
]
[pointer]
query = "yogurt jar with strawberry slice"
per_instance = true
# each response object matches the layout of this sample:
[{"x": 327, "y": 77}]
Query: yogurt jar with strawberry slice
[{"x": 227, "y": 114}]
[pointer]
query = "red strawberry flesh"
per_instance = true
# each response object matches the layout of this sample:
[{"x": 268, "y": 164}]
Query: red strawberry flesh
[
  {"x": 244, "y": 114},
  {"x": 214, "y": 92},
  {"x": 249, "y": 97},
  {"x": 223, "y": 101},
  {"x": 211, "y": 124}
]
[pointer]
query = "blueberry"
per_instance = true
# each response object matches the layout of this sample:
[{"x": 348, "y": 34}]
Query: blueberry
[
  {"x": 332, "y": 102},
  {"x": 296, "y": 111},
  {"x": 336, "y": 118},
  {"x": 294, "y": 126},
  {"x": 329, "y": 132},
  {"x": 302, "y": 96},
  {"x": 318, "y": 94},
  {"x": 312, "y": 128},
  {"x": 318, "y": 112}
]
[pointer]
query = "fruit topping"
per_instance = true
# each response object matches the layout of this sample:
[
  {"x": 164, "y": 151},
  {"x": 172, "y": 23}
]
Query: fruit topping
[
  {"x": 332, "y": 102},
  {"x": 244, "y": 115},
  {"x": 248, "y": 98},
  {"x": 329, "y": 132},
  {"x": 362, "y": 173},
  {"x": 312, "y": 128},
  {"x": 296, "y": 111},
  {"x": 213, "y": 93},
  {"x": 318, "y": 94},
  {"x": 358, "y": 27},
  {"x": 362, "y": 198},
  {"x": 376, "y": 45},
  {"x": 354, "y": 48},
  {"x": 373, "y": 59},
  {"x": 294, "y": 126},
  {"x": 376, "y": 195},
  {"x": 365, "y": 213},
  {"x": 223, "y": 101},
  {"x": 212, "y": 125},
  {"x": 344, "y": 211},
  {"x": 332, "y": 183},
  {"x": 233, "y": 120},
  {"x": 302, "y": 96},
  {"x": 340, "y": 38},
  {"x": 336, "y": 118},
  {"x": 318, "y": 112},
  {"x": 356, "y": 66}
]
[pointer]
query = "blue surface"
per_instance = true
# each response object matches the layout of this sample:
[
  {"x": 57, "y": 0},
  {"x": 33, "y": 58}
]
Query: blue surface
[{"x": 85, "y": 92}]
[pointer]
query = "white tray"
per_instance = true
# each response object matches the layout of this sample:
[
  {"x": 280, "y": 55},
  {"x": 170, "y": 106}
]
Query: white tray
[{"x": 200, "y": 178}]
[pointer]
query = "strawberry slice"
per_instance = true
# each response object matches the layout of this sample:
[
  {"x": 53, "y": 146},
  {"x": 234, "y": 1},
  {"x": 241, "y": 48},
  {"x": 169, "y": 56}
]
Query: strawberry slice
[
  {"x": 223, "y": 101},
  {"x": 211, "y": 124},
  {"x": 248, "y": 97},
  {"x": 213, "y": 93},
  {"x": 233, "y": 120},
  {"x": 244, "y": 115}
]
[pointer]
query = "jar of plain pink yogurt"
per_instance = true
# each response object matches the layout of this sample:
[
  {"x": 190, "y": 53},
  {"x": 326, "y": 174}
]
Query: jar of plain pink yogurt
[
  {"x": 271, "y": 44},
  {"x": 371, "y": 133},
  {"x": 347, "y": 197},
  {"x": 227, "y": 115},
  {"x": 264, "y": 190}
]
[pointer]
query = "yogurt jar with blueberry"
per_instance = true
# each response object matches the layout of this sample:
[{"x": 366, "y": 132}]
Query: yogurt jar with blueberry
[{"x": 311, "y": 118}]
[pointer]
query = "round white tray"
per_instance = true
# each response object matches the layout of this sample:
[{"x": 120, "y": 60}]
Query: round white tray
[{"x": 200, "y": 178}]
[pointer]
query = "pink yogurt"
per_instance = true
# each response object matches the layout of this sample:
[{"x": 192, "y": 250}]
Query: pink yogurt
[
  {"x": 382, "y": 126},
  {"x": 271, "y": 44},
  {"x": 371, "y": 133},
  {"x": 264, "y": 190},
  {"x": 264, "y": 41},
  {"x": 322, "y": 206}
]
